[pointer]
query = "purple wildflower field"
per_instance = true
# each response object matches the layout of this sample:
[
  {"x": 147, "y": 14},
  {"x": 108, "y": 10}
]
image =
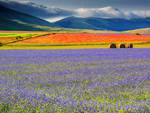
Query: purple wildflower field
[{"x": 75, "y": 81}]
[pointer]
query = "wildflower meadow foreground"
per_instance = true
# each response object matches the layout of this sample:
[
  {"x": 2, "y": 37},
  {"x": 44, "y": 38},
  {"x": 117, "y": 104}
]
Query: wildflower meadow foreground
[{"x": 75, "y": 81}]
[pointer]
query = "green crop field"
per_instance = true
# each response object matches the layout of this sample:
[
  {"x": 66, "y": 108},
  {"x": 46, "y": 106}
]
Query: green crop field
[
  {"x": 7, "y": 37},
  {"x": 9, "y": 40},
  {"x": 16, "y": 34}
]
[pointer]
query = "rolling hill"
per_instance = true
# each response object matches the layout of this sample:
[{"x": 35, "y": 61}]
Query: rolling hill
[
  {"x": 139, "y": 31},
  {"x": 14, "y": 20},
  {"x": 114, "y": 24}
]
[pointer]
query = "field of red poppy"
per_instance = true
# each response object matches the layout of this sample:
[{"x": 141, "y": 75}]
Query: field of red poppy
[
  {"x": 72, "y": 40},
  {"x": 84, "y": 38}
]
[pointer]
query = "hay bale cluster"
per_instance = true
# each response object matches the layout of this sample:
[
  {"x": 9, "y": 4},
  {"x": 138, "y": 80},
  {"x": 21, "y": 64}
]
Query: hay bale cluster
[{"x": 113, "y": 45}]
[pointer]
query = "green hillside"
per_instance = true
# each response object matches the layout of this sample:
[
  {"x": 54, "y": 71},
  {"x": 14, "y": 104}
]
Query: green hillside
[{"x": 13, "y": 20}]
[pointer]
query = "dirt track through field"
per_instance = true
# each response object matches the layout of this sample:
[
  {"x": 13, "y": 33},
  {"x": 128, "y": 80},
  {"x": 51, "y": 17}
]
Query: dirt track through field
[{"x": 24, "y": 39}]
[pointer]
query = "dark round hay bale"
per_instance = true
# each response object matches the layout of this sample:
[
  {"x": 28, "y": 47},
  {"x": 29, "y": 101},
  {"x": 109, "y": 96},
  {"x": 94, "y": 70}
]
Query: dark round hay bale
[
  {"x": 16, "y": 38},
  {"x": 138, "y": 34},
  {"x": 113, "y": 45},
  {"x": 53, "y": 33},
  {"x": 85, "y": 32},
  {"x": 122, "y": 46},
  {"x": 130, "y": 46},
  {"x": 1, "y": 44},
  {"x": 19, "y": 37}
]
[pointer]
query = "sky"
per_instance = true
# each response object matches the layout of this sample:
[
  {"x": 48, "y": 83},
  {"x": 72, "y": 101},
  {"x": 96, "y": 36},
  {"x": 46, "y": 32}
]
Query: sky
[
  {"x": 59, "y": 9},
  {"x": 73, "y": 4}
]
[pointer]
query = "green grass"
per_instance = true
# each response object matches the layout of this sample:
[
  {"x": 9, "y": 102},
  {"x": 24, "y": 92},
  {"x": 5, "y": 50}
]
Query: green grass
[
  {"x": 16, "y": 34},
  {"x": 6, "y": 38}
]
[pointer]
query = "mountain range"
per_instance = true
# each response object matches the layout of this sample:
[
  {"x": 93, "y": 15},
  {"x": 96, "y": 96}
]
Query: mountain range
[
  {"x": 13, "y": 19},
  {"x": 114, "y": 24},
  {"x": 37, "y": 10}
]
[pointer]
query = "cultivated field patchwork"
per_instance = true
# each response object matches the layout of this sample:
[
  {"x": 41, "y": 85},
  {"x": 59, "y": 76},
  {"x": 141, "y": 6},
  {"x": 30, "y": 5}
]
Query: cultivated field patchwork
[
  {"x": 8, "y": 37},
  {"x": 47, "y": 40},
  {"x": 86, "y": 38}
]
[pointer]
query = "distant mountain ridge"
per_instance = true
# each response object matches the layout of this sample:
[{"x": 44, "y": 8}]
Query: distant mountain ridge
[
  {"x": 114, "y": 24},
  {"x": 14, "y": 20},
  {"x": 37, "y": 10}
]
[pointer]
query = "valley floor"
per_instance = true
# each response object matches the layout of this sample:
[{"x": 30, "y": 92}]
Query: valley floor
[
  {"x": 74, "y": 46},
  {"x": 48, "y": 40}
]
